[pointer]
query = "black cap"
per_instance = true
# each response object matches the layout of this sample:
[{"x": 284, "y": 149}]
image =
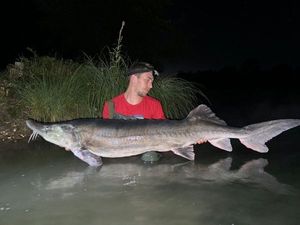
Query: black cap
[{"x": 141, "y": 67}]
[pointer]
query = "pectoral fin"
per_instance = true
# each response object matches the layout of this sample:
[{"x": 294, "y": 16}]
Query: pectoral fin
[
  {"x": 185, "y": 152},
  {"x": 88, "y": 157}
]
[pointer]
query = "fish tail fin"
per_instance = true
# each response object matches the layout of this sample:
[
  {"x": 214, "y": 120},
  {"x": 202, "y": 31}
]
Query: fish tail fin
[{"x": 260, "y": 133}]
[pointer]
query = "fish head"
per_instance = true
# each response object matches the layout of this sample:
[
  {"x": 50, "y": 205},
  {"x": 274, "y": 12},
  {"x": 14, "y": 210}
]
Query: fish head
[{"x": 61, "y": 134}]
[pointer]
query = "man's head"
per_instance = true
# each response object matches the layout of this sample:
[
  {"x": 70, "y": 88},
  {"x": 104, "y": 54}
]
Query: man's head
[
  {"x": 141, "y": 67},
  {"x": 141, "y": 76}
]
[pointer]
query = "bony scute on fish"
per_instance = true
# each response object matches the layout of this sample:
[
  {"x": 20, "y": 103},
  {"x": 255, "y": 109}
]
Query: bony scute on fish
[{"x": 91, "y": 139}]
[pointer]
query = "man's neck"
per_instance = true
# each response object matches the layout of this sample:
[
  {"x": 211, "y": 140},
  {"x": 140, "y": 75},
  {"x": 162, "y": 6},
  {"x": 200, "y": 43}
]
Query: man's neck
[{"x": 132, "y": 97}]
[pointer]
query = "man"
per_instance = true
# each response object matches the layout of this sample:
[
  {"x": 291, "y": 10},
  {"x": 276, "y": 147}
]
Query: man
[{"x": 135, "y": 102}]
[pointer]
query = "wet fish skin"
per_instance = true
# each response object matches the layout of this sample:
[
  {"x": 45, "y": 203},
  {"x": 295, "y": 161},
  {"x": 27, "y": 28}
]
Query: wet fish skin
[{"x": 91, "y": 139}]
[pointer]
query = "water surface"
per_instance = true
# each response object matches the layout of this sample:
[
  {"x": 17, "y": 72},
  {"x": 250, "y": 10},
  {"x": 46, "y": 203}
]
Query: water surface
[{"x": 41, "y": 183}]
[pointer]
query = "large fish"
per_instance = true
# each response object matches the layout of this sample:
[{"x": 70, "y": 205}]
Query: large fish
[{"x": 91, "y": 139}]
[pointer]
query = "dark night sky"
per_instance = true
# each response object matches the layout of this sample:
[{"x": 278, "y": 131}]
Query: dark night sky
[{"x": 177, "y": 36}]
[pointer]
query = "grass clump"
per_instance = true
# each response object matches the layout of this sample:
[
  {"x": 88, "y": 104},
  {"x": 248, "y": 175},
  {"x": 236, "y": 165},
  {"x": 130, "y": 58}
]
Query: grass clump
[
  {"x": 48, "y": 88},
  {"x": 178, "y": 96},
  {"x": 100, "y": 81}
]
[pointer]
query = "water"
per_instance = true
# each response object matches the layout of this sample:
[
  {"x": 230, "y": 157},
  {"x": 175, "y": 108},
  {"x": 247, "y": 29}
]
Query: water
[{"x": 41, "y": 183}]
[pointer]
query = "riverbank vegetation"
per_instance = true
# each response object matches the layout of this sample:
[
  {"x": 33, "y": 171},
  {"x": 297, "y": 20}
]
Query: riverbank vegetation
[{"x": 52, "y": 89}]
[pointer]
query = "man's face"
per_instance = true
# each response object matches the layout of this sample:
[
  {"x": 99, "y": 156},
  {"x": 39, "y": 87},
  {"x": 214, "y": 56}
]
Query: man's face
[{"x": 144, "y": 83}]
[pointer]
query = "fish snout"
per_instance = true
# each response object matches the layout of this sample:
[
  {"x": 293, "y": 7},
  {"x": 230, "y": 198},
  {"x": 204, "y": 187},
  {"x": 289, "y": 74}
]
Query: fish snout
[
  {"x": 29, "y": 123},
  {"x": 33, "y": 125}
]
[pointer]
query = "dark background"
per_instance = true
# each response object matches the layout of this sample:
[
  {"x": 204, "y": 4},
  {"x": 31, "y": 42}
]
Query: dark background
[
  {"x": 195, "y": 35},
  {"x": 244, "y": 53}
]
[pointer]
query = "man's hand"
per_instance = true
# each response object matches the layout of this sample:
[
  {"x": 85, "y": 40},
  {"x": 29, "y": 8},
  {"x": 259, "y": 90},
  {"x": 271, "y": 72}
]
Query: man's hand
[{"x": 201, "y": 141}]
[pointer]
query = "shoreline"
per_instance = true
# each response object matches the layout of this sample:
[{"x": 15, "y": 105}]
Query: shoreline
[
  {"x": 14, "y": 131},
  {"x": 12, "y": 121}
]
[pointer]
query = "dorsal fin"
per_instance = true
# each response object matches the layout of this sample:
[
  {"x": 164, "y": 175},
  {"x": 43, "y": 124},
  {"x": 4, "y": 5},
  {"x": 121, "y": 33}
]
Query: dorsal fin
[{"x": 203, "y": 112}]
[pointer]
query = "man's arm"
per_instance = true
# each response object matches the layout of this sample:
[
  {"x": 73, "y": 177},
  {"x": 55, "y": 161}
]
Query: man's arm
[{"x": 105, "y": 111}]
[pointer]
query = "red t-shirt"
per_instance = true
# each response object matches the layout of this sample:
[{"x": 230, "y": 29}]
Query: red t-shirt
[{"x": 148, "y": 108}]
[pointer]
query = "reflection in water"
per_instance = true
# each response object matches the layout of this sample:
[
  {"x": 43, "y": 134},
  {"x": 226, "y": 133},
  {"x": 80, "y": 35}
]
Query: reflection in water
[
  {"x": 44, "y": 185},
  {"x": 133, "y": 173}
]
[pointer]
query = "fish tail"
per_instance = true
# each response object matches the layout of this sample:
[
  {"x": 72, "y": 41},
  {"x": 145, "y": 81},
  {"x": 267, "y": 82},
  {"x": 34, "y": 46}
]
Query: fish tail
[{"x": 260, "y": 133}]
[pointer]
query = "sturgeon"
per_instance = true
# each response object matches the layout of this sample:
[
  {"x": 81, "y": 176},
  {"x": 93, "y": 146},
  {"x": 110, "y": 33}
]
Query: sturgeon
[{"x": 91, "y": 139}]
